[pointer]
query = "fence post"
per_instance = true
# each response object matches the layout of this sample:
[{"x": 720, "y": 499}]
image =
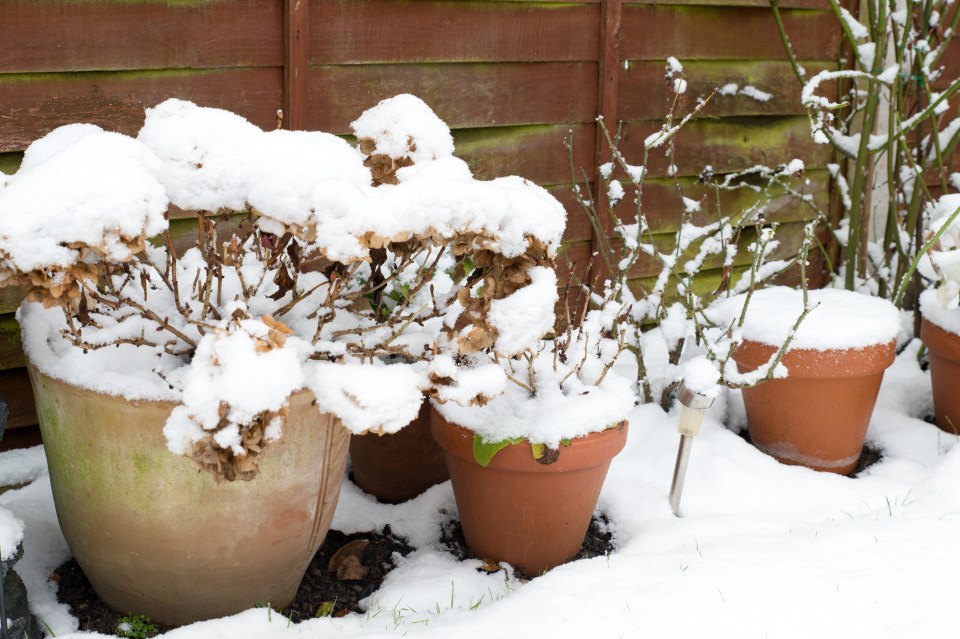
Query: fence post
[
  {"x": 608, "y": 95},
  {"x": 296, "y": 41}
]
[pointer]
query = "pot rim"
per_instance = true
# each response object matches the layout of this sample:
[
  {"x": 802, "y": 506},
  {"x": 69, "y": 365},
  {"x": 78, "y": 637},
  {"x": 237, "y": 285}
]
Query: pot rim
[
  {"x": 589, "y": 450},
  {"x": 939, "y": 340},
  {"x": 828, "y": 364}
]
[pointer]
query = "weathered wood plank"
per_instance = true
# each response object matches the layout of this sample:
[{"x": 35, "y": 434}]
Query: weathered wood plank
[
  {"x": 463, "y": 95},
  {"x": 652, "y": 32},
  {"x": 16, "y": 389},
  {"x": 296, "y": 43},
  {"x": 353, "y": 31},
  {"x": 646, "y": 95},
  {"x": 11, "y": 355},
  {"x": 48, "y": 35},
  {"x": 728, "y": 145},
  {"x": 790, "y": 236},
  {"x": 35, "y": 104},
  {"x": 533, "y": 152}
]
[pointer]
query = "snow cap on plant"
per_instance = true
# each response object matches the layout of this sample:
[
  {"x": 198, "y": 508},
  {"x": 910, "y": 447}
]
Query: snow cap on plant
[
  {"x": 81, "y": 195},
  {"x": 399, "y": 132}
]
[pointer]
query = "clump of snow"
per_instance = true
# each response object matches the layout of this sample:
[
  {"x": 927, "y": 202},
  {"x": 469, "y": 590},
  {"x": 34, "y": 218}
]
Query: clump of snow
[
  {"x": 239, "y": 372},
  {"x": 376, "y": 398},
  {"x": 701, "y": 376},
  {"x": 838, "y": 319},
  {"x": 79, "y": 188},
  {"x": 401, "y": 122},
  {"x": 556, "y": 412},
  {"x": 525, "y": 316},
  {"x": 11, "y": 534},
  {"x": 755, "y": 93}
]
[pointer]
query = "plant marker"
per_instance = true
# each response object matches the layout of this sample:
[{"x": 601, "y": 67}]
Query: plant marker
[{"x": 692, "y": 407}]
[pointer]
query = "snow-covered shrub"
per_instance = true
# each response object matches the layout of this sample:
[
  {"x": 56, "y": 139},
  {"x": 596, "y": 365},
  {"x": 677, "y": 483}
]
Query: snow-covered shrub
[
  {"x": 663, "y": 323},
  {"x": 316, "y": 265},
  {"x": 890, "y": 129}
]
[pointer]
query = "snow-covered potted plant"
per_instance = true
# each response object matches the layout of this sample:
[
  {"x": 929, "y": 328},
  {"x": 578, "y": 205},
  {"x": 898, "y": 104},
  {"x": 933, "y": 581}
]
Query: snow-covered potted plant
[
  {"x": 253, "y": 354},
  {"x": 940, "y": 330},
  {"x": 529, "y": 425}
]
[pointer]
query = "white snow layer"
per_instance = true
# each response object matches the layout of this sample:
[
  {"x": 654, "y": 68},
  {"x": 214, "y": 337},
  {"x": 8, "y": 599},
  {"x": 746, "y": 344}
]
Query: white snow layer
[
  {"x": 838, "y": 319},
  {"x": 757, "y": 544}
]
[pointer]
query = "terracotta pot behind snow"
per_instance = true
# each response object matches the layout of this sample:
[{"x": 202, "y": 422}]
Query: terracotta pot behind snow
[
  {"x": 155, "y": 536},
  {"x": 531, "y": 515},
  {"x": 818, "y": 415},
  {"x": 944, "y": 352},
  {"x": 397, "y": 467}
]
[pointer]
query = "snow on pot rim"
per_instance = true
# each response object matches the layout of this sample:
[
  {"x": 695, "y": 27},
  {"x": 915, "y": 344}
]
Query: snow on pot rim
[
  {"x": 941, "y": 315},
  {"x": 839, "y": 319},
  {"x": 553, "y": 414}
]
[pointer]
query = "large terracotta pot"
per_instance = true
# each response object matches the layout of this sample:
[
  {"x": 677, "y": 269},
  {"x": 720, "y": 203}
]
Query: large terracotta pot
[
  {"x": 155, "y": 536},
  {"x": 944, "y": 353},
  {"x": 531, "y": 515},
  {"x": 818, "y": 415},
  {"x": 397, "y": 467}
]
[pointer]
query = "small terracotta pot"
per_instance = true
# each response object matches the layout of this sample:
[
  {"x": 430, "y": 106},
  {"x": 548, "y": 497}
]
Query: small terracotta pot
[
  {"x": 531, "y": 515},
  {"x": 397, "y": 467},
  {"x": 944, "y": 353},
  {"x": 155, "y": 536},
  {"x": 818, "y": 415}
]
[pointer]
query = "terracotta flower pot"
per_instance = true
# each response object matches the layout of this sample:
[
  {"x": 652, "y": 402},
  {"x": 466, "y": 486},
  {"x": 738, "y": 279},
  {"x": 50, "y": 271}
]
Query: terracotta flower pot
[
  {"x": 155, "y": 536},
  {"x": 397, "y": 467},
  {"x": 818, "y": 415},
  {"x": 531, "y": 515},
  {"x": 944, "y": 352}
]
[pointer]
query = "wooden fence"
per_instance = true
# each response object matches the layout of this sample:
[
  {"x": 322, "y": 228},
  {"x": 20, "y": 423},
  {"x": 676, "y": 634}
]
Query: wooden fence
[{"x": 512, "y": 79}]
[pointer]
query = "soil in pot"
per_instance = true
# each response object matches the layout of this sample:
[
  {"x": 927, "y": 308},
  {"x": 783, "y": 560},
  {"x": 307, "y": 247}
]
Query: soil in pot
[
  {"x": 818, "y": 415},
  {"x": 529, "y": 514},
  {"x": 158, "y": 537},
  {"x": 397, "y": 467},
  {"x": 943, "y": 348}
]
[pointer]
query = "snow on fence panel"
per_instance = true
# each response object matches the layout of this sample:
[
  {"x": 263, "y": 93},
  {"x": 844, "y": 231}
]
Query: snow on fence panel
[{"x": 512, "y": 79}]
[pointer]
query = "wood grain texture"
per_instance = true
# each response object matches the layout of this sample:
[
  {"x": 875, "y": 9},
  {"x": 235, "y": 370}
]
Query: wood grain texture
[
  {"x": 50, "y": 35},
  {"x": 15, "y": 388},
  {"x": 535, "y": 152},
  {"x": 646, "y": 95},
  {"x": 296, "y": 42},
  {"x": 466, "y": 95},
  {"x": 11, "y": 354},
  {"x": 34, "y": 104},
  {"x": 652, "y": 32},
  {"x": 728, "y": 145},
  {"x": 355, "y": 31}
]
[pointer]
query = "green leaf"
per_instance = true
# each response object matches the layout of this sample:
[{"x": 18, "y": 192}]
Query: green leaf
[
  {"x": 483, "y": 451},
  {"x": 539, "y": 450}
]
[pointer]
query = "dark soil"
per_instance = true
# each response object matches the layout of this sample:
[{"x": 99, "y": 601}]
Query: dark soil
[
  {"x": 346, "y": 569},
  {"x": 868, "y": 457}
]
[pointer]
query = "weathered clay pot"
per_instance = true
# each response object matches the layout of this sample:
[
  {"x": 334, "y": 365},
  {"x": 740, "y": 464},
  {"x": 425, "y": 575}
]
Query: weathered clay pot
[
  {"x": 943, "y": 348},
  {"x": 531, "y": 515},
  {"x": 155, "y": 536},
  {"x": 818, "y": 415},
  {"x": 397, "y": 467}
]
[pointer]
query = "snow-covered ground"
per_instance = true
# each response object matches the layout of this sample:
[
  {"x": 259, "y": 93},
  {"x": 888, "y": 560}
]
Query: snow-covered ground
[{"x": 761, "y": 549}]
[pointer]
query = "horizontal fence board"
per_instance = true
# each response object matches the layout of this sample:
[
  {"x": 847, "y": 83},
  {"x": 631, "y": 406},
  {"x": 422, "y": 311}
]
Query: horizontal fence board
[
  {"x": 728, "y": 145},
  {"x": 652, "y": 32},
  {"x": 48, "y": 35},
  {"x": 646, "y": 95},
  {"x": 536, "y": 153},
  {"x": 463, "y": 95},
  {"x": 790, "y": 236},
  {"x": 35, "y": 104},
  {"x": 355, "y": 31}
]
